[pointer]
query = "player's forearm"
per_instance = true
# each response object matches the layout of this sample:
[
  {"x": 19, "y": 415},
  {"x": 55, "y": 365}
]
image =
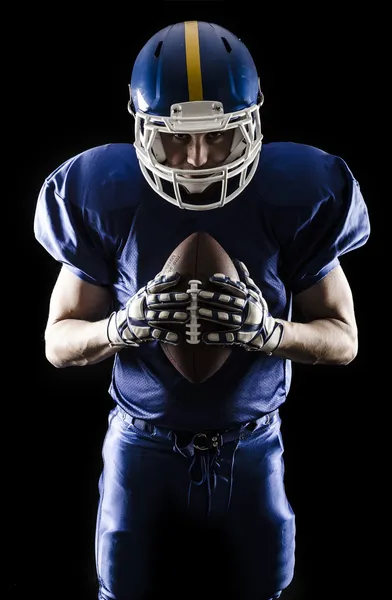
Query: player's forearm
[
  {"x": 73, "y": 342},
  {"x": 324, "y": 341}
]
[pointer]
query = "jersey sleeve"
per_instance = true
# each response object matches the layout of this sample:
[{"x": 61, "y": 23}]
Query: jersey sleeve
[
  {"x": 333, "y": 225},
  {"x": 68, "y": 230}
]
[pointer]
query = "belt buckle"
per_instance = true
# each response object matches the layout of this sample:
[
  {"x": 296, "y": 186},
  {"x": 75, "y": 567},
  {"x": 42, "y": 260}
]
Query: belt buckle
[
  {"x": 200, "y": 435},
  {"x": 214, "y": 440}
]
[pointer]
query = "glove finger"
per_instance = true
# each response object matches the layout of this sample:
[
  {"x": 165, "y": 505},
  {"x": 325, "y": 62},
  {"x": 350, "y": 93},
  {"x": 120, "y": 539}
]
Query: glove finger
[
  {"x": 140, "y": 331},
  {"x": 219, "y": 338},
  {"x": 245, "y": 277},
  {"x": 221, "y": 300},
  {"x": 165, "y": 336},
  {"x": 167, "y": 300},
  {"x": 230, "y": 338},
  {"x": 221, "y": 317},
  {"x": 150, "y": 334},
  {"x": 154, "y": 317},
  {"x": 138, "y": 313},
  {"x": 162, "y": 282},
  {"x": 242, "y": 269},
  {"x": 233, "y": 286}
]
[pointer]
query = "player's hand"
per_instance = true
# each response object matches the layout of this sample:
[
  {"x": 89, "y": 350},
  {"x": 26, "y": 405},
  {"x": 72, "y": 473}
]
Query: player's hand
[
  {"x": 148, "y": 315},
  {"x": 239, "y": 307}
]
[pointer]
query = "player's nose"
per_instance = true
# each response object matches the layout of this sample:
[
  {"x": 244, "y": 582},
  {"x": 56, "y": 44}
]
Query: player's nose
[{"x": 197, "y": 151}]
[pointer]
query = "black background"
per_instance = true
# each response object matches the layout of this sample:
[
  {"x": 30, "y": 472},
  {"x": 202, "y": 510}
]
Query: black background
[{"x": 321, "y": 74}]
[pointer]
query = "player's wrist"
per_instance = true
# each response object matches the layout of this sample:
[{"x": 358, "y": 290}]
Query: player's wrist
[
  {"x": 275, "y": 339},
  {"x": 116, "y": 326}
]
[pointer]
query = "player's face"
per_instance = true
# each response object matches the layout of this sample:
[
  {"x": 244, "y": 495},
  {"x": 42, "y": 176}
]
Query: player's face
[{"x": 197, "y": 151}]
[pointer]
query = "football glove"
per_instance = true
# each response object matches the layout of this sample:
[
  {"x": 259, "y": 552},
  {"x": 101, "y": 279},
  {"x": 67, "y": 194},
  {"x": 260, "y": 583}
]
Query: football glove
[
  {"x": 146, "y": 315},
  {"x": 242, "y": 312}
]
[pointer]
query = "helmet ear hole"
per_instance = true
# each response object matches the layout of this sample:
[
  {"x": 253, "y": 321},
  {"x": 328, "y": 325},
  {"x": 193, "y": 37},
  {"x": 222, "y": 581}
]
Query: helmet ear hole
[{"x": 158, "y": 49}]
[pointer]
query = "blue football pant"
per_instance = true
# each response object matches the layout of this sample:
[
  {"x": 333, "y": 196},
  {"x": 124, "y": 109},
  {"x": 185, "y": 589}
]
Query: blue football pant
[{"x": 209, "y": 525}]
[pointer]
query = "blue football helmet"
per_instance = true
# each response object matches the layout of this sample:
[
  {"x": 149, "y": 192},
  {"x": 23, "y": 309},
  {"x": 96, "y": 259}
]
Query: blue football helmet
[{"x": 196, "y": 77}]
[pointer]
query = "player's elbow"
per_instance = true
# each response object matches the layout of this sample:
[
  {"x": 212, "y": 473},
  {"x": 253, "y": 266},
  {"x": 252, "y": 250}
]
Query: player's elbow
[
  {"x": 54, "y": 357},
  {"x": 342, "y": 346},
  {"x": 56, "y": 352},
  {"x": 349, "y": 349},
  {"x": 348, "y": 356}
]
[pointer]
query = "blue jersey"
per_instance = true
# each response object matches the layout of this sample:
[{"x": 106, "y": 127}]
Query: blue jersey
[{"x": 303, "y": 209}]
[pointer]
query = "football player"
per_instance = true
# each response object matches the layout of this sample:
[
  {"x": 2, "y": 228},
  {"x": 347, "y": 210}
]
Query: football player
[{"x": 181, "y": 459}]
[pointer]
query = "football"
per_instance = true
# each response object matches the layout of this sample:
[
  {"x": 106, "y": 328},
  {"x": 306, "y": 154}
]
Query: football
[{"x": 197, "y": 258}]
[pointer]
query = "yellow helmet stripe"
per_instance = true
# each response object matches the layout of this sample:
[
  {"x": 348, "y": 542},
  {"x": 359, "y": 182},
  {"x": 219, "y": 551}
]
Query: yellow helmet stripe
[{"x": 192, "y": 51}]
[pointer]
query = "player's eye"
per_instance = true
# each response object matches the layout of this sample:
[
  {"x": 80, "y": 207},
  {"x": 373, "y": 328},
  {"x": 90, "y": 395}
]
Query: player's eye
[
  {"x": 181, "y": 137},
  {"x": 214, "y": 136}
]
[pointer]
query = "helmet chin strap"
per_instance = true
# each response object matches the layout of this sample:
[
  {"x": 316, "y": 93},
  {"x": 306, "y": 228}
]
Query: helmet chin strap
[{"x": 238, "y": 146}]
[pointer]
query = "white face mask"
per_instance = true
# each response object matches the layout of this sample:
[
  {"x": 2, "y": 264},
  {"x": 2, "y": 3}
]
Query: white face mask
[{"x": 192, "y": 118}]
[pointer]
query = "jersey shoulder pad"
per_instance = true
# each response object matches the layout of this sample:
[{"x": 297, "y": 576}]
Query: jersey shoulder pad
[
  {"x": 294, "y": 175},
  {"x": 99, "y": 178}
]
